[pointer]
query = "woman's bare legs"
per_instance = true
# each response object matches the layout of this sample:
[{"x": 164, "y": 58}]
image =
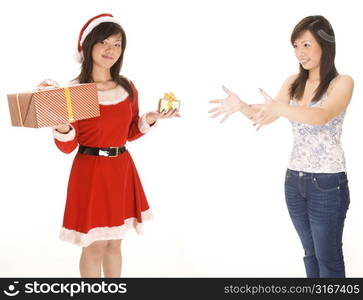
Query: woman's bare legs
[
  {"x": 91, "y": 259},
  {"x": 112, "y": 259}
]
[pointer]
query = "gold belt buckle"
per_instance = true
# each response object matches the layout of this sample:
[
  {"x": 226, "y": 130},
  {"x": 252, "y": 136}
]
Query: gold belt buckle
[{"x": 117, "y": 151}]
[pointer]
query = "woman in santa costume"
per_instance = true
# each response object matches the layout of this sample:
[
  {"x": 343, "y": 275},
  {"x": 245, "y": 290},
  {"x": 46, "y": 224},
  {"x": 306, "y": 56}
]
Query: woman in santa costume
[{"x": 105, "y": 196}]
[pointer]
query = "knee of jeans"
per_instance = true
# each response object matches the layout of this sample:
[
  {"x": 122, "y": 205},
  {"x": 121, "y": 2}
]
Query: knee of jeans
[
  {"x": 309, "y": 249},
  {"x": 306, "y": 240},
  {"x": 309, "y": 252}
]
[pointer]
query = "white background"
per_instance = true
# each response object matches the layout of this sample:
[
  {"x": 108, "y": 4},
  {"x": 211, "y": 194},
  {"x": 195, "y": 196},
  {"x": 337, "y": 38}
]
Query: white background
[{"x": 216, "y": 190}]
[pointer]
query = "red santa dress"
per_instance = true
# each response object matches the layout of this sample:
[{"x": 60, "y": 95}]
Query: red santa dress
[{"x": 104, "y": 196}]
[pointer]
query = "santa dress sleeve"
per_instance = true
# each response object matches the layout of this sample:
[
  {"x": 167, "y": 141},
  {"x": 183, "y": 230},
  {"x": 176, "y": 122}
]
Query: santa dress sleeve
[
  {"x": 67, "y": 142},
  {"x": 138, "y": 126}
]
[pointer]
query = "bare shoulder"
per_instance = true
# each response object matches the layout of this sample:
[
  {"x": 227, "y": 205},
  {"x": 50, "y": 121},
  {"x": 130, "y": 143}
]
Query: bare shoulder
[
  {"x": 340, "y": 92},
  {"x": 284, "y": 93},
  {"x": 342, "y": 81},
  {"x": 291, "y": 79},
  {"x": 345, "y": 77},
  {"x": 288, "y": 82}
]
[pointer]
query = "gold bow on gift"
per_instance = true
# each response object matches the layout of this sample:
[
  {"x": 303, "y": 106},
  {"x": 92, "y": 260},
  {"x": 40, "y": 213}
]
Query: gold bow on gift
[
  {"x": 168, "y": 102},
  {"x": 170, "y": 97}
]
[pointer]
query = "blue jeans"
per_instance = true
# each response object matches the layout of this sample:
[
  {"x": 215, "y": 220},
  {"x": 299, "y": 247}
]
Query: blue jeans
[{"x": 317, "y": 204}]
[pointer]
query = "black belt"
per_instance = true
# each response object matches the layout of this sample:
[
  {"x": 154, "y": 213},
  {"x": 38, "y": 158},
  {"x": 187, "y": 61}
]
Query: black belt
[{"x": 110, "y": 151}]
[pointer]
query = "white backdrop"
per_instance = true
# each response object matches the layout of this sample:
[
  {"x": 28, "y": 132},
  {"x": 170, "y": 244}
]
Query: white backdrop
[{"x": 216, "y": 190}]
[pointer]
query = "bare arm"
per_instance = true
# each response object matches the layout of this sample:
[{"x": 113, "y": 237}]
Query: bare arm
[
  {"x": 339, "y": 95},
  {"x": 338, "y": 99},
  {"x": 232, "y": 103},
  {"x": 247, "y": 110},
  {"x": 282, "y": 96}
]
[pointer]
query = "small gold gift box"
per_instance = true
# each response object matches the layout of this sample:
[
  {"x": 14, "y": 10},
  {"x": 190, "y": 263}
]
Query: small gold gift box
[{"x": 168, "y": 102}]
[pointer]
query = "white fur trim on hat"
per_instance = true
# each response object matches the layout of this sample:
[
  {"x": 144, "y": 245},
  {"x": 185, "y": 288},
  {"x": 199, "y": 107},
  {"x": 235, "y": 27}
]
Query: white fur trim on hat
[
  {"x": 78, "y": 57},
  {"x": 95, "y": 23}
]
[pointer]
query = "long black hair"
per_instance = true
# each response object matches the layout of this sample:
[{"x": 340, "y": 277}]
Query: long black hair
[
  {"x": 98, "y": 34},
  {"x": 323, "y": 32}
]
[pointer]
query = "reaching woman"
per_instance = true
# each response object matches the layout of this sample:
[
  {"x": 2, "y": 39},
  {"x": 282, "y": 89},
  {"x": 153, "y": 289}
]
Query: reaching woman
[{"x": 316, "y": 186}]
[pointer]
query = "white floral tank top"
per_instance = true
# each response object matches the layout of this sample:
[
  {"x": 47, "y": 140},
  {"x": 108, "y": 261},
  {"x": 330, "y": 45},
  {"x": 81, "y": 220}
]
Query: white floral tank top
[{"x": 317, "y": 148}]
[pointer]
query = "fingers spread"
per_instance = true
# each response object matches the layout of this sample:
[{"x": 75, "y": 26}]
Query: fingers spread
[
  {"x": 214, "y": 109},
  {"x": 260, "y": 120},
  {"x": 226, "y": 90},
  {"x": 225, "y": 117},
  {"x": 265, "y": 95},
  {"x": 216, "y": 101},
  {"x": 217, "y": 114}
]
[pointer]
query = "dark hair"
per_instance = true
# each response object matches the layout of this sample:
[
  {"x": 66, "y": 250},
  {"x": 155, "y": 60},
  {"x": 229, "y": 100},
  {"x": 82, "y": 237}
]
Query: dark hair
[
  {"x": 98, "y": 34},
  {"x": 323, "y": 32}
]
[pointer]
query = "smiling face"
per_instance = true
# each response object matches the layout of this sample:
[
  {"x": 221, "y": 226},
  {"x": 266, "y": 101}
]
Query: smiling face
[
  {"x": 307, "y": 51},
  {"x": 106, "y": 52}
]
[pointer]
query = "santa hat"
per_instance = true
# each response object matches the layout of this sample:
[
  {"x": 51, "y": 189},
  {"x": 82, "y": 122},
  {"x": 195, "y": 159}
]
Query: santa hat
[{"x": 87, "y": 28}]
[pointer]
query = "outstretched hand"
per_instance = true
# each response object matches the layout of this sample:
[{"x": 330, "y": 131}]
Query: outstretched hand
[
  {"x": 267, "y": 111},
  {"x": 47, "y": 83},
  {"x": 153, "y": 116},
  {"x": 228, "y": 105}
]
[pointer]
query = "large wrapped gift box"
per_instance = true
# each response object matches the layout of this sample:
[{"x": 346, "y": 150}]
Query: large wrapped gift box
[{"x": 54, "y": 106}]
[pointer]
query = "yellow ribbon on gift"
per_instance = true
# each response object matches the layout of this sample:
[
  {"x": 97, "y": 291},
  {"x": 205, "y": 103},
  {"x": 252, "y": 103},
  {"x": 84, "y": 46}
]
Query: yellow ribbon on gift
[
  {"x": 67, "y": 94},
  {"x": 170, "y": 98}
]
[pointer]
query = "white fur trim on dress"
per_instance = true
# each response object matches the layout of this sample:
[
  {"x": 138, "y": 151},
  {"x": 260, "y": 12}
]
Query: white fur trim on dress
[
  {"x": 104, "y": 233},
  {"x": 108, "y": 97},
  {"x": 113, "y": 96},
  {"x": 64, "y": 137},
  {"x": 144, "y": 126}
]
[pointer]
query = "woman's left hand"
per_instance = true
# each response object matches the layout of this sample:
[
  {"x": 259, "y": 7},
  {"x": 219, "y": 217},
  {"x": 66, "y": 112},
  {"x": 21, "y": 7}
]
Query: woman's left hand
[
  {"x": 153, "y": 116},
  {"x": 228, "y": 106},
  {"x": 267, "y": 111}
]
